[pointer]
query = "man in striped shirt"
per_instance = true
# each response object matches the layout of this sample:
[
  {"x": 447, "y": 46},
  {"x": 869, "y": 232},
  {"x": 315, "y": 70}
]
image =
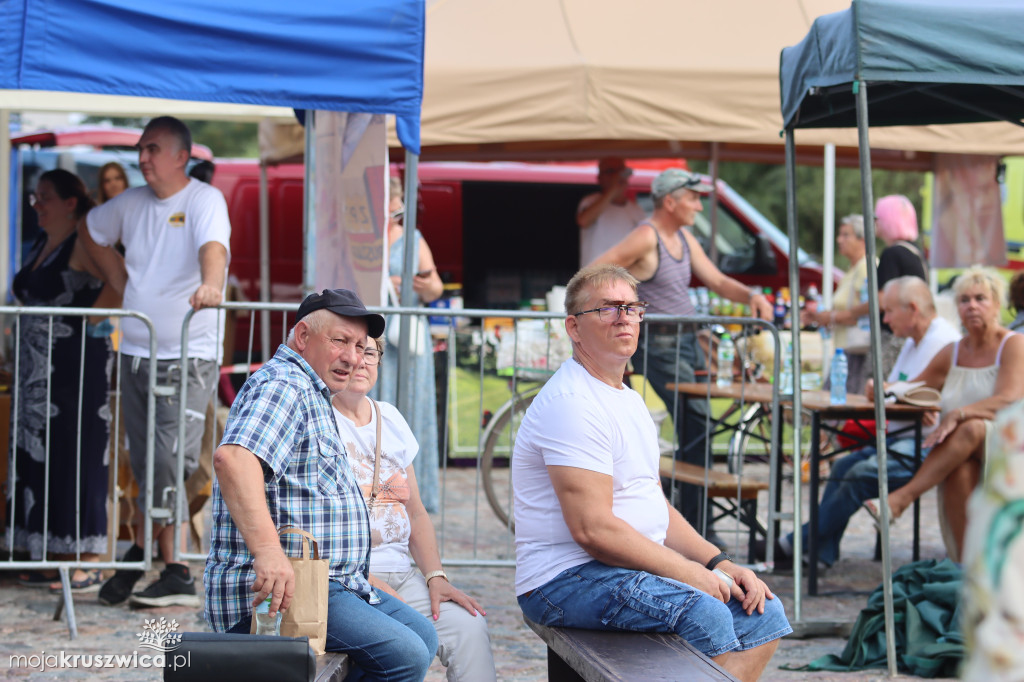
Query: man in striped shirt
[{"x": 282, "y": 463}]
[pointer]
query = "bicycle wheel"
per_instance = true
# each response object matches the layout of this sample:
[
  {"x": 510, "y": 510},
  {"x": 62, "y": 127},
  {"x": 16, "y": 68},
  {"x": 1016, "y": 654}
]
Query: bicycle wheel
[
  {"x": 751, "y": 440},
  {"x": 499, "y": 441}
]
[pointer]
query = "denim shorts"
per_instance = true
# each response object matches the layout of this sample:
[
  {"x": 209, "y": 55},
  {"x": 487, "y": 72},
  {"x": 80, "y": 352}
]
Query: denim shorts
[{"x": 595, "y": 596}]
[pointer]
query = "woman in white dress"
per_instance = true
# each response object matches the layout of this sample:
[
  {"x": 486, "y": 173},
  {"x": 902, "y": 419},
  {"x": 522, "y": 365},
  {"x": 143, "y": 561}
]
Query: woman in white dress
[{"x": 400, "y": 526}]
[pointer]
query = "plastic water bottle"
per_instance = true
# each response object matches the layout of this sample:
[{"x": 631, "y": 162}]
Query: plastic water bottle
[
  {"x": 786, "y": 375},
  {"x": 840, "y": 370},
  {"x": 726, "y": 355},
  {"x": 265, "y": 625}
]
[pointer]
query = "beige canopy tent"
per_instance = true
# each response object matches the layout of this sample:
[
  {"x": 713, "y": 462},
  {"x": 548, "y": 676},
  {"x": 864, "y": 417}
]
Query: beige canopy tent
[{"x": 536, "y": 79}]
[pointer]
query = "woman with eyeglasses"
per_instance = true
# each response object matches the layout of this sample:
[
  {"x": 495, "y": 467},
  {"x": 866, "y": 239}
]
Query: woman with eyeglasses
[
  {"x": 381, "y": 450},
  {"x": 61, "y": 394},
  {"x": 426, "y": 287}
]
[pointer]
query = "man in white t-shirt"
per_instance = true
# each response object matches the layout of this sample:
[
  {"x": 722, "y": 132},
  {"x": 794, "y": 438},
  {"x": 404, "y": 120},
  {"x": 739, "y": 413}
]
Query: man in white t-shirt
[
  {"x": 606, "y": 217},
  {"x": 175, "y": 232},
  {"x": 909, "y": 309},
  {"x": 597, "y": 544}
]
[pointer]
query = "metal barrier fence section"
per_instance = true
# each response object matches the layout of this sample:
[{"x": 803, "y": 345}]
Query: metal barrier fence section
[
  {"x": 489, "y": 365},
  {"x": 65, "y": 421}
]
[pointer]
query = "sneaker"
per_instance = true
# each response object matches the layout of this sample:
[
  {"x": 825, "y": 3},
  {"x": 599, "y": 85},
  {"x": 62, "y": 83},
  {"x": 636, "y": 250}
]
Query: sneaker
[
  {"x": 783, "y": 562},
  {"x": 174, "y": 587},
  {"x": 119, "y": 587}
]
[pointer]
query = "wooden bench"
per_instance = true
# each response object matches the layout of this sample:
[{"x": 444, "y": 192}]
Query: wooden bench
[
  {"x": 332, "y": 667},
  {"x": 597, "y": 656},
  {"x": 729, "y": 495}
]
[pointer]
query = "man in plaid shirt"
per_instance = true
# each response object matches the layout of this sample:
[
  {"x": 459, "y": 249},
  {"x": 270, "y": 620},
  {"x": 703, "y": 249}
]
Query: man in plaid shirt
[{"x": 281, "y": 463}]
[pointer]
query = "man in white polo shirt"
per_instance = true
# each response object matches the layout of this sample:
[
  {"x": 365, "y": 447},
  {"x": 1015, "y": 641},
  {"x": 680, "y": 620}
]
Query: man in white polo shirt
[{"x": 175, "y": 232}]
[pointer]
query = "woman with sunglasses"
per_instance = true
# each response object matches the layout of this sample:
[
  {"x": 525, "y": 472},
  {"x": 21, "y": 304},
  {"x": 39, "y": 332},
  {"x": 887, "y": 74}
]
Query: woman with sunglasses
[{"x": 381, "y": 449}]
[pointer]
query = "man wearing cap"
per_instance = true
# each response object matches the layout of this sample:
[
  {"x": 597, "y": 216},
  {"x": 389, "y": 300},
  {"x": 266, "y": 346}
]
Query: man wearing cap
[
  {"x": 662, "y": 255},
  {"x": 282, "y": 463},
  {"x": 176, "y": 235},
  {"x": 605, "y": 217}
]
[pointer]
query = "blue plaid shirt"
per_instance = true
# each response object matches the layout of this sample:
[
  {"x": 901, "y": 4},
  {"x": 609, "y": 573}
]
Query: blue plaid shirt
[{"x": 283, "y": 416}]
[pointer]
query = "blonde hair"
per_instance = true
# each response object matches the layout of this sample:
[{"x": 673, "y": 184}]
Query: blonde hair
[
  {"x": 978, "y": 275},
  {"x": 594, "y": 276}
]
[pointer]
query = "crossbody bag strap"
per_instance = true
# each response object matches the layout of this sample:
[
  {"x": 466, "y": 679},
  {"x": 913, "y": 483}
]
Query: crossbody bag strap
[{"x": 375, "y": 488}]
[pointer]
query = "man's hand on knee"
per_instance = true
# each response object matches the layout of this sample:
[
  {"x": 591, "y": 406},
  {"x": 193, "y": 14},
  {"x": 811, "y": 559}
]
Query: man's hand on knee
[
  {"x": 748, "y": 588},
  {"x": 274, "y": 576}
]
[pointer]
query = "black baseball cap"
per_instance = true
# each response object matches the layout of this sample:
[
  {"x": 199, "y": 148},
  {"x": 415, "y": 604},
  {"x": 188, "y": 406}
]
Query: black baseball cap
[{"x": 342, "y": 302}]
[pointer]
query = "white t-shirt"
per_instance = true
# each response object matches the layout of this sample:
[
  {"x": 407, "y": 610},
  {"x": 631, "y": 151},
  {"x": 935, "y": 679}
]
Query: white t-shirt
[
  {"x": 581, "y": 422},
  {"x": 389, "y": 519},
  {"x": 162, "y": 238},
  {"x": 913, "y": 358},
  {"x": 610, "y": 228}
]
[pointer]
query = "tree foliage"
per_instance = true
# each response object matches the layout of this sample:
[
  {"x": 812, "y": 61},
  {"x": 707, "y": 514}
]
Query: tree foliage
[
  {"x": 764, "y": 186},
  {"x": 224, "y": 138}
]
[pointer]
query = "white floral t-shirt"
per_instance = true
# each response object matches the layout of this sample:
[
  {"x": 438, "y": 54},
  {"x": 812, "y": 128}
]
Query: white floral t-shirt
[{"x": 389, "y": 519}]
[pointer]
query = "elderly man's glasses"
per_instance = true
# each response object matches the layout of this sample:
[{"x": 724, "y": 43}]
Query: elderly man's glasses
[
  {"x": 371, "y": 356},
  {"x": 610, "y": 313}
]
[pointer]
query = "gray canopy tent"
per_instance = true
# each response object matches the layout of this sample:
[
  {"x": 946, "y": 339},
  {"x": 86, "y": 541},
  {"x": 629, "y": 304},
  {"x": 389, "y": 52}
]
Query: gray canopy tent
[{"x": 907, "y": 62}]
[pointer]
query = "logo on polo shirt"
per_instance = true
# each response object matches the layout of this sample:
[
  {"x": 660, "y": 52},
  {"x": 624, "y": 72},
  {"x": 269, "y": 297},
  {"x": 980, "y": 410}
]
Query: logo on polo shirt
[{"x": 177, "y": 219}]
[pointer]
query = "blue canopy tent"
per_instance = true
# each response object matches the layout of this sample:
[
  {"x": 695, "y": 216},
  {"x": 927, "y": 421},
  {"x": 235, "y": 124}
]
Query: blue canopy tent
[
  {"x": 362, "y": 56},
  {"x": 906, "y": 62},
  {"x": 358, "y": 55}
]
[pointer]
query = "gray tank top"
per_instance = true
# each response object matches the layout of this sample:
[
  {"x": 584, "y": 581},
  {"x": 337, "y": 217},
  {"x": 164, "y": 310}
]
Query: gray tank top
[{"x": 668, "y": 288}]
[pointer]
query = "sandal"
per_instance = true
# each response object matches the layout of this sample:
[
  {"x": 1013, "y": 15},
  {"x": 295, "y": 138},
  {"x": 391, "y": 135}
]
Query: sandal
[
  {"x": 35, "y": 579},
  {"x": 876, "y": 517},
  {"x": 90, "y": 583}
]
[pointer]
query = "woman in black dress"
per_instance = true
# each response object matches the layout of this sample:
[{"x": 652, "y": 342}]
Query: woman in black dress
[{"x": 58, "y": 272}]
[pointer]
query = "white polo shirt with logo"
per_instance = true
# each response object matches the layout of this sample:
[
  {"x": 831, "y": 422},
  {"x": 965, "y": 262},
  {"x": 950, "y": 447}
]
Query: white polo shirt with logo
[{"x": 162, "y": 238}]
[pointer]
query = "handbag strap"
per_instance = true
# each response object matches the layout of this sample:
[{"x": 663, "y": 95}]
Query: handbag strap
[{"x": 375, "y": 488}]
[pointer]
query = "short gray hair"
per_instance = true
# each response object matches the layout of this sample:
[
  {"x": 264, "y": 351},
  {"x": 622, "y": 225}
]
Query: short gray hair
[
  {"x": 910, "y": 289},
  {"x": 594, "y": 275},
  {"x": 316, "y": 321},
  {"x": 855, "y": 221}
]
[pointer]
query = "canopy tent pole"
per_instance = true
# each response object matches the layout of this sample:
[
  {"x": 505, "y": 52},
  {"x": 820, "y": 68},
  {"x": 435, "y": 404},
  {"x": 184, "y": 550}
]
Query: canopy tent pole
[
  {"x": 309, "y": 204},
  {"x": 794, "y": 288},
  {"x": 860, "y": 90},
  {"x": 264, "y": 261},
  {"x": 828, "y": 226},
  {"x": 410, "y": 262},
  {"x": 713, "y": 172}
]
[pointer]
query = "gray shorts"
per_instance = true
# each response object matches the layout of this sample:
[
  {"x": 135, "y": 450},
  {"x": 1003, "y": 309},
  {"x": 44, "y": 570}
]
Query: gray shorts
[{"x": 202, "y": 381}]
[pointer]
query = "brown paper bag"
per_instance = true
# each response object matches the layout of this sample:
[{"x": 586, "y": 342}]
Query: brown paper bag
[{"x": 307, "y": 615}]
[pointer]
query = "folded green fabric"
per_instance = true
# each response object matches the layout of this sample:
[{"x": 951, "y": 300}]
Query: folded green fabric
[{"x": 929, "y": 641}]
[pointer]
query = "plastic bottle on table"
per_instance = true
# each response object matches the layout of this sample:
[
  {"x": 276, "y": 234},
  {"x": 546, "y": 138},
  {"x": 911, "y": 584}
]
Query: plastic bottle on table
[
  {"x": 786, "y": 375},
  {"x": 265, "y": 625},
  {"x": 840, "y": 370},
  {"x": 726, "y": 355}
]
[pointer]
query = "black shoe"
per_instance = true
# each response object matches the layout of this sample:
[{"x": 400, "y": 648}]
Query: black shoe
[
  {"x": 119, "y": 587},
  {"x": 783, "y": 562},
  {"x": 174, "y": 587}
]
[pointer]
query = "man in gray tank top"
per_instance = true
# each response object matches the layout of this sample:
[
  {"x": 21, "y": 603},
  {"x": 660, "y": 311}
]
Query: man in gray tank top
[{"x": 663, "y": 256}]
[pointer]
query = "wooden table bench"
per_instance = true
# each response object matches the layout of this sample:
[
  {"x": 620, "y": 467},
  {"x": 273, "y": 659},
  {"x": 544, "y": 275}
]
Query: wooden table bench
[
  {"x": 332, "y": 667},
  {"x": 597, "y": 656},
  {"x": 727, "y": 493}
]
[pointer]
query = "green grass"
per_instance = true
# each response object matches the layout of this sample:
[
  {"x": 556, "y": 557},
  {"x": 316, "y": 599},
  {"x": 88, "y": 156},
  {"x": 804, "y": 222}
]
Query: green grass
[{"x": 467, "y": 387}]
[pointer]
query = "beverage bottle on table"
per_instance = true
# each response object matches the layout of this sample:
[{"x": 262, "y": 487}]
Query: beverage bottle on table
[
  {"x": 265, "y": 625},
  {"x": 726, "y": 355},
  {"x": 840, "y": 370}
]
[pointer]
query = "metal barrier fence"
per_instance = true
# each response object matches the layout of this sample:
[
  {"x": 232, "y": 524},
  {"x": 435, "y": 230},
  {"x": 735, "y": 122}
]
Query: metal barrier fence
[
  {"x": 494, "y": 363},
  {"x": 34, "y": 404}
]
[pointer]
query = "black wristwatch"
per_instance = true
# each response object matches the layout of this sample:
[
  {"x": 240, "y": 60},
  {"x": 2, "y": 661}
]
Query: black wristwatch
[{"x": 717, "y": 559}]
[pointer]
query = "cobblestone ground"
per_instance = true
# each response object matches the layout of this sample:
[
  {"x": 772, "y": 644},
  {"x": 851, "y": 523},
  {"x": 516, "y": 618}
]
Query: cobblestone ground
[{"x": 468, "y": 531}]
